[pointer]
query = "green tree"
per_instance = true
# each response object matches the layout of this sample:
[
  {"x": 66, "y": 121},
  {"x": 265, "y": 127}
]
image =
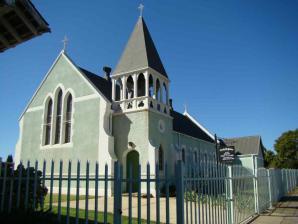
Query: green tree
[
  {"x": 270, "y": 159},
  {"x": 286, "y": 147}
]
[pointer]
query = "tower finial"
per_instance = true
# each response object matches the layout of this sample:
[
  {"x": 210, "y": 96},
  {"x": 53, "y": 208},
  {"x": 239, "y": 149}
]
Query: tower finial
[
  {"x": 65, "y": 42},
  {"x": 141, "y": 8},
  {"x": 185, "y": 108}
]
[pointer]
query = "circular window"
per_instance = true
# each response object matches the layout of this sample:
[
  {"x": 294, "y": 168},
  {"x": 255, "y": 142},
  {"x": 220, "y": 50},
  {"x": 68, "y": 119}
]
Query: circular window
[{"x": 161, "y": 126}]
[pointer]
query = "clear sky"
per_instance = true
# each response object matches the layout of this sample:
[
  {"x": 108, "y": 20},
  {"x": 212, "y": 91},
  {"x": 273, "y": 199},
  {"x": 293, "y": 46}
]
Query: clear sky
[{"x": 234, "y": 63}]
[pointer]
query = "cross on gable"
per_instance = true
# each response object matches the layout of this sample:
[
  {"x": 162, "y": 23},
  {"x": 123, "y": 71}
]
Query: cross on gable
[{"x": 65, "y": 42}]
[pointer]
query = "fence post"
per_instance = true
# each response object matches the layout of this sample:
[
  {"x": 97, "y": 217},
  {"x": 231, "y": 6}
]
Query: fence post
[
  {"x": 180, "y": 192},
  {"x": 230, "y": 215},
  {"x": 255, "y": 182},
  {"x": 269, "y": 187},
  {"x": 117, "y": 193}
]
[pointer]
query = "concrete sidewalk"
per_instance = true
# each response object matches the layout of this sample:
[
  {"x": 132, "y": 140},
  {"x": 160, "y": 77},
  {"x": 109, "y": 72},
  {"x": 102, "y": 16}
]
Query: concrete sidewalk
[{"x": 285, "y": 212}]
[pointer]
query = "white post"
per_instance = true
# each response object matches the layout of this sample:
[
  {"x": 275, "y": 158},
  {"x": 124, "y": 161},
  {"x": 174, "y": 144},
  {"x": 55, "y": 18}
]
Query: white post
[
  {"x": 154, "y": 88},
  {"x": 230, "y": 196},
  {"x": 269, "y": 188},
  {"x": 255, "y": 182},
  {"x": 124, "y": 88},
  {"x": 113, "y": 89},
  {"x": 135, "y": 90},
  {"x": 161, "y": 92},
  {"x": 146, "y": 84},
  {"x": 168, "y": 91},
  {"x": 135, "y": 86}
]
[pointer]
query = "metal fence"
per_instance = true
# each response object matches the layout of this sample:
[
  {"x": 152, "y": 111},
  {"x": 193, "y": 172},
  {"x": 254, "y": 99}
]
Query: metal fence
[{"x": 203, "y": 192}]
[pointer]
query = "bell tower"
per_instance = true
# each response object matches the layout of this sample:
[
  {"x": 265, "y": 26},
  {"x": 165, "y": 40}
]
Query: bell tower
[
  {"x": 140, "y": 81},
  {"x": 142, "y": 122}
]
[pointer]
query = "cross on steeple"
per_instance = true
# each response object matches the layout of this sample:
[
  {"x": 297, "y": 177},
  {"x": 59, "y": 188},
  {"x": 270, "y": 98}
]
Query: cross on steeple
[
  {"x": 65, "y": 42},
  {"x": 185, "y": 108},
  {"x": 141, "y": 8}
]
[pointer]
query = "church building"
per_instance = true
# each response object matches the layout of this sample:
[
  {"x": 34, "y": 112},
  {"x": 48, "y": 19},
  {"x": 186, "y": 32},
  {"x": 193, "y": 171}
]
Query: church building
[{"x": 126, "y": 115}]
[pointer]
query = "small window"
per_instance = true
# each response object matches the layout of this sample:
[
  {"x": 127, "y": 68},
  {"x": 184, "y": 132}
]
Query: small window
[
  {"x": 68, "y": 119},
  {"x": 58, "y": 118},
  {"x": 160, "y": 158},
  {"x": 48, "y": 122}
]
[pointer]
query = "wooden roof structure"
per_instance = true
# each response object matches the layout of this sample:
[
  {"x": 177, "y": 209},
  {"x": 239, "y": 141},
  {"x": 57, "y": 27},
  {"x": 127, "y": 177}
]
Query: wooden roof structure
[{"x": 19, "y": 21}]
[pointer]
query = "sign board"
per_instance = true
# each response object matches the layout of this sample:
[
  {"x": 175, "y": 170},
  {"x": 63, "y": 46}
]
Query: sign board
[{"x": 227, "y": 154}]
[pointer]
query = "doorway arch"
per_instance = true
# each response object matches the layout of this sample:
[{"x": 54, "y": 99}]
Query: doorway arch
[{"x": 132, "y": 162}]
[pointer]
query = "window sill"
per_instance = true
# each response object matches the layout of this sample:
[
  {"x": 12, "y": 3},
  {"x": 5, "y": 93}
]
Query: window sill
[{"x": 57, "y": 146}]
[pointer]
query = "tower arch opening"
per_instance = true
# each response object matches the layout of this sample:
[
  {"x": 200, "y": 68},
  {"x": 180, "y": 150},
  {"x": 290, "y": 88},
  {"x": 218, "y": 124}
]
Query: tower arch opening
[{"x": 141, "y": 85}]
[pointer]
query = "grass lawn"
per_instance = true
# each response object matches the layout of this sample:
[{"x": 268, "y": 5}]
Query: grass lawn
[
  {"x": 51, "y": 217},
  {"x": 100, "y": 219},
  {"x": 64, "y": 198}
]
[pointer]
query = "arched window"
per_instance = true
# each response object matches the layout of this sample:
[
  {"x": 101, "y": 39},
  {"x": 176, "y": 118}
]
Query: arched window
[
  {"x": 58, "y": 117},
  {"x": 141, "y": 85},
  {"x": 164, "y": 94},
  {"x": 129, "y": 88},
  {"x": 158, "y": 90},
  {"x": 151, "y": 88},
  {"x": 160, "y": 158},
  {"x": 118, "y": 90},
  {"x": 183, "y": 155},
  {"x": 48, "y": 122},
  {"x": 68, "y": 116}
]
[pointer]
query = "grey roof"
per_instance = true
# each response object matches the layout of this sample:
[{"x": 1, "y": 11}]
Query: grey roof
[
  {"x": 140, "y": 52},
  {"x": 184, "y": 125},
  {"x": 102, "y": 84},
  {"x": 246, "y": 145}
]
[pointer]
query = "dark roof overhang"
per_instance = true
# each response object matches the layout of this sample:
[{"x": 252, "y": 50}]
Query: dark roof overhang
[{"x": 19, "y": 21}]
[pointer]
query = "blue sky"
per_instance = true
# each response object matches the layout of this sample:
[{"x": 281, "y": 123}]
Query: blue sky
[{"x": 234, "y": 63}]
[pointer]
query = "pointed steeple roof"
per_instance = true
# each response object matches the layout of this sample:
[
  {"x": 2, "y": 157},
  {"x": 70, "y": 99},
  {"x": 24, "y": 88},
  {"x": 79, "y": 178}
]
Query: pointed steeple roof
[{"x": 140, "y": 52}]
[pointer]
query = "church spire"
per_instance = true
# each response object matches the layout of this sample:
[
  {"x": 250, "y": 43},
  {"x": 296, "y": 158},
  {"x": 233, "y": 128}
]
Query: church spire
[{"x": 140, "y": 51}]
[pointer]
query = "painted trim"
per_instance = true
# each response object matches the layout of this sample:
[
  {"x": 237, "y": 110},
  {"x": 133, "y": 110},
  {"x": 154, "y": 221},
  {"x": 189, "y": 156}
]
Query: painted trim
[
  {"x": 85, "y": 78},
  {"x": 141, "y": 110},
  {"x": 198, "y": 139},
  {"x": 44, "y": 79},
  {"x": 62, "y": 53},
  {"x": 85, "y": 98},
  {"x": 57, "y": 146},
  {"x": 18, "y": 149},
  {"x": 198, "y": 124},
  {"x": 33, "y": 109}
]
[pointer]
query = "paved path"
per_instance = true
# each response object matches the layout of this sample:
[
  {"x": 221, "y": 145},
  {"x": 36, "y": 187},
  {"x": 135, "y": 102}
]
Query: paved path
[{"x": 286, "y": 212}]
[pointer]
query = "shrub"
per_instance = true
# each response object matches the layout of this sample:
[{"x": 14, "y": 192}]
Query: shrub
[{"x": 12, "y": 187}]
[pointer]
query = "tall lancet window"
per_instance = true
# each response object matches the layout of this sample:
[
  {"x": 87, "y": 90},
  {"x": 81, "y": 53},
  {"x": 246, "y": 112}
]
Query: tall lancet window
[
  {"x": 58, "y": 117},
  {"x": 160, "y": 158},
  {"x": 68, "y": 119},
  {"x": 48, "y": 122}
]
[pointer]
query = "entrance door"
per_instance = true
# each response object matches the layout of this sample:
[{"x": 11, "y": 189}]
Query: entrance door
[{"x": 132, "y": 160}]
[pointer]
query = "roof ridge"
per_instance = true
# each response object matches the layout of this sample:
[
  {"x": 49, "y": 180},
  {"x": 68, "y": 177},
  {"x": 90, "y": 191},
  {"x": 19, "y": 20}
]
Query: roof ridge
[{"x": 139, "y": 52}]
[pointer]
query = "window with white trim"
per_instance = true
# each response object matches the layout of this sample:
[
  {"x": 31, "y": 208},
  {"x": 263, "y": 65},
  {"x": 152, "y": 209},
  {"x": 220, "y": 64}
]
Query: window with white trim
[
  {"x": 58, "y": 117},
  {"x": 67, "y": 122},
  {"x": 48, "y": 122}
]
